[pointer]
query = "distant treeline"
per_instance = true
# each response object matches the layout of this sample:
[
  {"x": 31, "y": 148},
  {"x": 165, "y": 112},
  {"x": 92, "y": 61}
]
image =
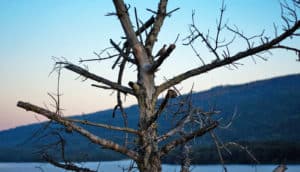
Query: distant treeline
[{"x": 265, "y": 152}]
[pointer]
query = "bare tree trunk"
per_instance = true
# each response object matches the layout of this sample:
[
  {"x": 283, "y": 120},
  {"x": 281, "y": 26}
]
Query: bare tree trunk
[
  {"x": 148, "y": 146},
  {"x": 150, "y": 165}
]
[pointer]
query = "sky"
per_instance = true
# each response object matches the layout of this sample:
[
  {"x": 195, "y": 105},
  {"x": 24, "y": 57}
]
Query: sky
[{"x": 32, "y": 32}]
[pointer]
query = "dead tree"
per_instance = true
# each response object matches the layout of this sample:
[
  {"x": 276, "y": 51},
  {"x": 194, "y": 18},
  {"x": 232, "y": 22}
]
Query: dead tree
[{"x": 137, "y": 50}]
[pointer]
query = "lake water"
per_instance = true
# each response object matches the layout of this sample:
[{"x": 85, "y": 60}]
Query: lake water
[{"x": 116, "y": 166}]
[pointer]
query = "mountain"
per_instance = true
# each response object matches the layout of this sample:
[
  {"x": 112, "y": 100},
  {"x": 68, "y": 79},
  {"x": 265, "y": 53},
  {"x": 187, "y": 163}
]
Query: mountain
[{"x": 267, "y": 121}]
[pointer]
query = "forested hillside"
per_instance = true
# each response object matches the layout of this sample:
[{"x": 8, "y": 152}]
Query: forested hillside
[{"x": 267, "y": 122}]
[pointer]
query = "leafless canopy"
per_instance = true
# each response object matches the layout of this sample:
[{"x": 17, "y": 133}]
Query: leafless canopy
[{"x": 136, "y": 49}]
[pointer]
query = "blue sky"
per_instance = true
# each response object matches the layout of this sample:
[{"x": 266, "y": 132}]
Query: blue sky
[{"x": 32, "y": 31}]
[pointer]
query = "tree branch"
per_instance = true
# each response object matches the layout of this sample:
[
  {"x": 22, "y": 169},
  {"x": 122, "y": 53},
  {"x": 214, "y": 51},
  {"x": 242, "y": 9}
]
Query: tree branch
[
  {"x": 178, "y": 127},
  {"x": 148, "y": 23},
  {"x": 110, "y": 127},
  {"x": 119, "y": 101},
  {"x": 240, "y": 55},
  {"x": 124, "y": 55},
  {"x": 170, "y": 94},
  {"x": 66, "y": 166},
  {"x": 138, "y": 25},
  {"x": 122, "y": 13},
  {"x": 93, "y": 138},
  {"x": 296, "y": 50},
  {"x": 162, "y": 58},
  {"x": 126, "y": 47},
  {"x": 159, "y": 19},
  {"x": 216, "y": 141},
  {"x": 201, "y": 131},
  {"x": 87, "y": 74}
]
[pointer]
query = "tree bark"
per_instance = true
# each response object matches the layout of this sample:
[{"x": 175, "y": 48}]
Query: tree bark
[
  {"x": 145, "y": 92},
  {"x": 148, "y": 146}
]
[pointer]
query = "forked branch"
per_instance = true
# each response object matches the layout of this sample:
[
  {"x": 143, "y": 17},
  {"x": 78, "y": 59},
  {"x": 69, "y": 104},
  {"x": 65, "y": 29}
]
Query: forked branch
[
  {"x": 162, "y": 58},
  {"x": 184, "y": 139},
  {"x": 93, "y": 138},
  {"x": 229, "y": 60}
]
